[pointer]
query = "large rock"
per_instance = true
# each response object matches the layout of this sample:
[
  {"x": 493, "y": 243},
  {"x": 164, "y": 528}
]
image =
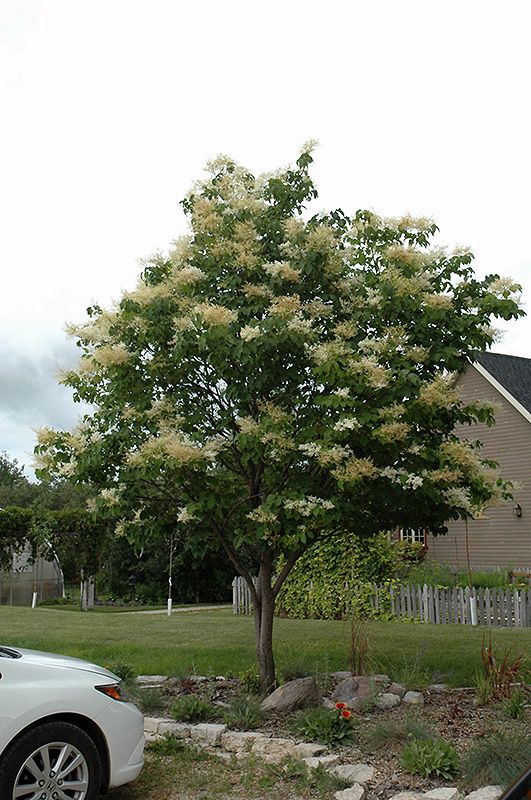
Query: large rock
[
  {"x": 486, "y": 793},
  {"x": 208, "y": 733},
  {"x": 353, "y": 773},
  {"x": 273, "y": 750},
  {"x": 321, "y": 761},
  {"x": 438, "y": 688},
  {"x": 239, "y": 741},
  {"x": 386, "y": 700},
  {"x": 178, "y": 729},
  {"x": 406, "y": 796},
  {"x": 396, "y": 688},
  {"x": 413, "y": 699},
  {"x": 341, "y": 676},
  {"x": 151, "y": 680},
  {"x": 443, "y": 793},
  {"x": 294, "y": 694},
  {"x": 355, "y": 792},
  {"x": 345, "y": 690},
  {"x": 309, "y": 750},
  {"x": 151, "y": 724},
  {"x": 381, "y": 680}
]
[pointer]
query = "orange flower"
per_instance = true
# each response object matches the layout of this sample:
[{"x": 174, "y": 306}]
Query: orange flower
[
  {"x": 339, "y": 706},
  {"x": 346, "y": 714}
]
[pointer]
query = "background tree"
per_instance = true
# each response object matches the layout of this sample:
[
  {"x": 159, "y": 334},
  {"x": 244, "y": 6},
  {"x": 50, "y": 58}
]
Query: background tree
[{"x": 278, "y": 377}]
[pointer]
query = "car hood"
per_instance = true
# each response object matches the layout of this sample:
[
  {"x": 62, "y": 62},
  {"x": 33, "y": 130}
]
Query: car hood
[{"x": 62, "y": 662}]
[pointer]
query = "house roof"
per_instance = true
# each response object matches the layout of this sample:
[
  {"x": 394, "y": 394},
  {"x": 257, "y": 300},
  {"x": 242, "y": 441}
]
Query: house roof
[
  {"x": 511, "y": 376},
  {"x": 512, "y": 372}
]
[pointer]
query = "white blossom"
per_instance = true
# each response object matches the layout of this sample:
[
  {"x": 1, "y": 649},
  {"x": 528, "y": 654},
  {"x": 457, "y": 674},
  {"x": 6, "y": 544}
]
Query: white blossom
[
  {"x": 248, "y": 333},
  {"x": 347, "y": 424},
  {"x": 309, "y": 505}
]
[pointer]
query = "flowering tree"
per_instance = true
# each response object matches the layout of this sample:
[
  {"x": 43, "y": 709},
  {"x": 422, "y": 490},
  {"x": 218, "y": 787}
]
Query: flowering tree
[{"x": 277, "y": 378}]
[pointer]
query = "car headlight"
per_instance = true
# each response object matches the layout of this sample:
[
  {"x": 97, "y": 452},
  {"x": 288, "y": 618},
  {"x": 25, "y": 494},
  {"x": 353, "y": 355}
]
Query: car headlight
[{"x": 115, "y": 691}]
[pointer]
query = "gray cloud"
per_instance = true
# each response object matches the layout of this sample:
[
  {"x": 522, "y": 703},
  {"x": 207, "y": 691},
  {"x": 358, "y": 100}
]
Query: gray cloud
[{"x": 31, "y": 397}]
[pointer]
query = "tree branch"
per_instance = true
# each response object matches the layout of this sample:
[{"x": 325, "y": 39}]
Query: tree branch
[{"x": 285, "y": 571}]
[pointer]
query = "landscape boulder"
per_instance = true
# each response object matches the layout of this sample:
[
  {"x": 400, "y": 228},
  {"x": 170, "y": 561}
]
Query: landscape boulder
[
  {"x": 353, "y": 773},
  {"x": 413, "y": 699},
  {"x": 386, "y": 700},
  {"x": 294, "y": 694},
  {"x": 486, "y": 793},
  {"x": 355, "y": 792}
]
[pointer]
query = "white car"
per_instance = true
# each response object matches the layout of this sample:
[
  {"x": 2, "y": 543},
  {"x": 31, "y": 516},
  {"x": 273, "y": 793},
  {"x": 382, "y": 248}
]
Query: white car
[{"x": 67, "y": 730}]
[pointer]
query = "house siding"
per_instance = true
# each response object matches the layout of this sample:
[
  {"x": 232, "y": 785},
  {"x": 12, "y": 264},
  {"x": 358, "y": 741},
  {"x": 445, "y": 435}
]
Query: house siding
[{"x": 500, "y": 539}]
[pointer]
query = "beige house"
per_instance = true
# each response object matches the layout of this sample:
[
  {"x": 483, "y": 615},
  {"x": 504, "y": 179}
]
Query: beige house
[{"x": 503, "y": 538}]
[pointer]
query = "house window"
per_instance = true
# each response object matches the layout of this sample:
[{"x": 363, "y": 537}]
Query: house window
[{"x": 413, "y": 535}]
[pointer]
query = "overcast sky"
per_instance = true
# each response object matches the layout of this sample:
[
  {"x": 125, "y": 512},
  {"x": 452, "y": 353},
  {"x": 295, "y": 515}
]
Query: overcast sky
[{"x": 110, "y": 108}]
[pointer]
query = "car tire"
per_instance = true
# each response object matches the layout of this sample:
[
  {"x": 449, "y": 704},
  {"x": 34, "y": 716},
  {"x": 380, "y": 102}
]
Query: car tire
[{"x": 30, "y": 761}]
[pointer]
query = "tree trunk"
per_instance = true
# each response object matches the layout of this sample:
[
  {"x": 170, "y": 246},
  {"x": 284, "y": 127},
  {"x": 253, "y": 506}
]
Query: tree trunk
[{"x": 263, "y": 619}]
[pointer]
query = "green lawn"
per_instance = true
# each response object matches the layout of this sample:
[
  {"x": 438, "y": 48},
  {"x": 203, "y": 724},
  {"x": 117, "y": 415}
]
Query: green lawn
[{"x": 218, "y": 642}]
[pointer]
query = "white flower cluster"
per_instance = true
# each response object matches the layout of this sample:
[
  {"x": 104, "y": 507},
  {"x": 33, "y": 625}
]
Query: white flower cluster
[
  {"x": 248, "y": 333},
  {"x": 283, "y": 270},
  {"x": 309, "y": 505},
  {"x": 110, "y": 497},
  {"x": 401, "y": 476},
  {"x": 341, "y": 392},
  {"x": 261, "y": 515},
  {"x": 347, "y": 424},
  {"x": 414, "y": 481},
  {"x": 298, "y": 324},
  {"x": 310, "y": 449},
  {"x": 184, "y": 515},
  {"x": 459, "y": 497}
]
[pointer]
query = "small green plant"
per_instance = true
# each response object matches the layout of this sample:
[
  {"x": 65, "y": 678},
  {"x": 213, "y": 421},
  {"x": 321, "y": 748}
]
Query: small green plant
[
  {"x": 244, "y": 714},
  {"x": 250, "y": 681},
  {"x": 167, "y": 745},
  {"x": 192, "y": 708},
  {"x": 388, "y": 732},
  {"x": 430, "y": 757},
  {"x": 497, "y": 759},
  {"x": 484, "y": 688},
  {"x": 412, "y": 674},
  {"x": 515, "y": 705},
  {"x": 150, "y": 700},
  {"x": 334, "y": 728}
]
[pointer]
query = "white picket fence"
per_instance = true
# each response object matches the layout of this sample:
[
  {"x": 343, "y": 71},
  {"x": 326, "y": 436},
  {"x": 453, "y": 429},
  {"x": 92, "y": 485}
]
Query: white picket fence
[{"x": 504, "y": 608}]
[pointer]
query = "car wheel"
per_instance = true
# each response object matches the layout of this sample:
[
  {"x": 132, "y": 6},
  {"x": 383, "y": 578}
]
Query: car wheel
[{"x": 54, "y": 761}]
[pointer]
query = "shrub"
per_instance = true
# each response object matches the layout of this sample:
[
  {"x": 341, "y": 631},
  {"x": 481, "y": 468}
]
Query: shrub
[
  {"x": 333, "y": 728},
  {"x": 335, "y": 577},
  {"x": 244, "y": 714},
  {"x": 192, "y": 708},
  {"x": 497, "y": 759},
  {"x": 430, "y": 757}
]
